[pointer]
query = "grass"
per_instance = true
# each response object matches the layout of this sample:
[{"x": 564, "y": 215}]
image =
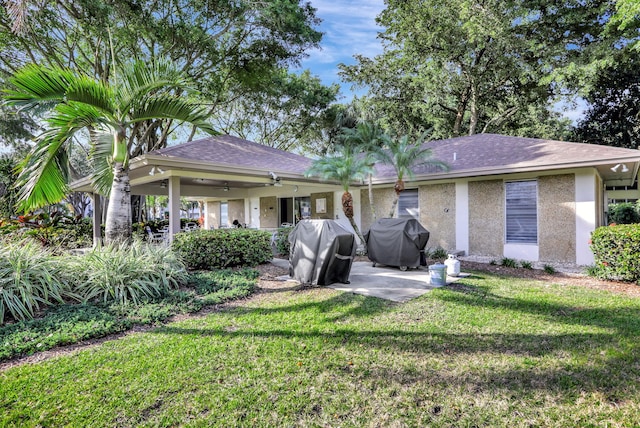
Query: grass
[{"x": 490, "y": 351}]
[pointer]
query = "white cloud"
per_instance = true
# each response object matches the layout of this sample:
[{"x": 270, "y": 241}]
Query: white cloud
[{"x": 349, "y": 28}]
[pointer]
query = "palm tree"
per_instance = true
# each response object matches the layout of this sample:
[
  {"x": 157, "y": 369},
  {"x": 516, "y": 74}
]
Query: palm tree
[
  {"x": 405, "y": 154},
  {"x": 368, "y": 138},
  {"x": 345, "y": 166},
  {"x": 111, "y": 114}
]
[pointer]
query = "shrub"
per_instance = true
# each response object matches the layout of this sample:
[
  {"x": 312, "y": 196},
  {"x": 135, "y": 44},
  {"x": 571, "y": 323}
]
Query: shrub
[
  {"x": 616, "y": 251},
  {"x": 438, "y": 253},
  {"x": 623, "y": 213},
  {"x": 526, "y": 264},
  {"x": 221, "y": 248},
  {"x": 30, "y": 278},
  {"x": 507, "y": 262},
  {"x": 282, "y": 240},
  {"x": 549, "y": 269},
  {"x": 128, "y": 273}
]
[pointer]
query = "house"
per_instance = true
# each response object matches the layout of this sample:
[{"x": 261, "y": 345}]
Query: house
[{"x": 523, "y": 198}]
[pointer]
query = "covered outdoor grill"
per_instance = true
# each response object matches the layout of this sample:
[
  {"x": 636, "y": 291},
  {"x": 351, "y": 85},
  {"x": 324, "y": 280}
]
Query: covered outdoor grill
[
  {"x": 321, "y": 252},
  {"x": 397, "y": 242}
]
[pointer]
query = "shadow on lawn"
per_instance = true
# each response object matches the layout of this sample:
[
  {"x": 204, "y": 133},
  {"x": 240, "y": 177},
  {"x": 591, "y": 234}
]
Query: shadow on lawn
[{"x": 613, "y": 371}]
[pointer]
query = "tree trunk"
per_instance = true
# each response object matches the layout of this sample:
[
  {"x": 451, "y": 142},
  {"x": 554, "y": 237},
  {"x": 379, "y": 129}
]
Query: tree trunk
[
  {"x": 398, "y": 188},
  {"x": 347, "y": 208},
  {"x": 118, "y": 224},
  {"x": 473, "y": 120},
  {"x": 371, "y": 205}
]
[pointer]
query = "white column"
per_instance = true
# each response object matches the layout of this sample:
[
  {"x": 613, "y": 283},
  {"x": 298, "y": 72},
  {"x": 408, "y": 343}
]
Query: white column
[
  {"x": 97, "y": 219},
  {"x": 462, "y": 216},
  {"x": 174, "y": 206},
  {"x": 586, "y": 216}
]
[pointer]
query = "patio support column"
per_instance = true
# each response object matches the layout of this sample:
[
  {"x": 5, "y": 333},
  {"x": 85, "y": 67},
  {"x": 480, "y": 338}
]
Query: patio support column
[
  {"x": 96, "y": 200},
  {"x": 174, "y": 206}
]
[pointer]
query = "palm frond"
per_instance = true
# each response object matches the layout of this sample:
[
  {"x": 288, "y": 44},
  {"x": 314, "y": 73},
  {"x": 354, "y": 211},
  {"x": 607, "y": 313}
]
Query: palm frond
[
  {"x": 140, "y": 79},
  {"x": 44, "y": 173},
  {"x": 85, "y": 90},
  {"x": 37, "y": 86},
  {"x": 170, "y": 107},
  {"x": 100, "y": 155},
  {"x": 345, "y": 168}
]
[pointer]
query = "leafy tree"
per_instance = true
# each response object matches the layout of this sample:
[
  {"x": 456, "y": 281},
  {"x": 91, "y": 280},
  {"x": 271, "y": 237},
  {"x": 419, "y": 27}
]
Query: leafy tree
[
  {"x": 404, "y": 154},
  {"x": 345, "y": 167},
  {"x": 288, "y": 115},
  {"x": 111, "y": 114},
  {"x": 465, "y": 66},
  {"x": 230, "y": 49},
  {"x": 612, "y": 117}
]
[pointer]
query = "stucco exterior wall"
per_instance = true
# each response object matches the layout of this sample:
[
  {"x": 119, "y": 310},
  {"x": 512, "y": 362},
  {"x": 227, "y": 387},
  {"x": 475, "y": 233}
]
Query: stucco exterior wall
[
  {"x": 486, "y": 218},
  {"x": 437, "y": 204},
  {"x": 382, "y": 200},
  {"x": 328, "y": 197},
  {"x": 557, "y": 218},
  {"x": 213, "y": 215},
  {"x": 236, "y": 211},
  {"x": 268, "y": 212}
]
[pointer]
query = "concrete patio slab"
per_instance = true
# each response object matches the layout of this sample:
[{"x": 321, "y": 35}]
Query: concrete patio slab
[{"x": 384, "y": 282}]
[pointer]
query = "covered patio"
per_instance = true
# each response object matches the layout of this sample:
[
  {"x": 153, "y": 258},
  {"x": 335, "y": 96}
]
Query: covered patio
[{"x": 262, "y": 187}]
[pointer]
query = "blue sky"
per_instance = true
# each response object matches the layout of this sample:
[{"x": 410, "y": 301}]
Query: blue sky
[{"x": 349, "y": 28}]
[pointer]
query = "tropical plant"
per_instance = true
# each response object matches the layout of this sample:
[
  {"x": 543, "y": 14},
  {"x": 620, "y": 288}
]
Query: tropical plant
[
  {"x": 369, "y": 138},
  {"x": 128, "y": 273},
  {"x": 345, "y": 166},
  {"x": 111, "y": 113},
  {"x": 404, "y": 154},
  {"x": 30, "y": 278}
]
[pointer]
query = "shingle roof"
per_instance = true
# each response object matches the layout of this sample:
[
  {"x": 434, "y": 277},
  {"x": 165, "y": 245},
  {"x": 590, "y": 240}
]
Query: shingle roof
[
  {"x": 237, "y": 152},
  {"x": 486, "y": 153}
]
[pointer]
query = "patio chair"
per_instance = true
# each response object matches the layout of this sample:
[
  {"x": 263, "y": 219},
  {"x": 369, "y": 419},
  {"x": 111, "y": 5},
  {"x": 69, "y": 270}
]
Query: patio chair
[{"x": 154, "y": 237}]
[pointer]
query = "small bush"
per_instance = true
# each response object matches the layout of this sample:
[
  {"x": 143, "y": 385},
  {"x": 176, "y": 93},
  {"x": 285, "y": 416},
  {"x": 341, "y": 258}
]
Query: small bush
[
  {"x": 525, "y": 264},
  {"x": 616, "y": 251},
  {"x": 623, "y": 213},
  {"x": 507, "y": 262},
  {"x": 549, "y": 269},
  {"x": 222, "y": 248},
  {"x": 30, "y": 277},
  {"x": 127, "y": 274},
  {"x": 438, "y": 253}
]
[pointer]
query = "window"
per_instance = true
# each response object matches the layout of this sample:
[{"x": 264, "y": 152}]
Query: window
[
  {"x": 408, "y": 204},
  {"x": 522, "y": 212},
  {"x": 224, "y": 214}
]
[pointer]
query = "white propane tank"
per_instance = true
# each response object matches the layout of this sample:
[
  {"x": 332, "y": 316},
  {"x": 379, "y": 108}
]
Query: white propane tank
[{"x": 453, "y": 265}]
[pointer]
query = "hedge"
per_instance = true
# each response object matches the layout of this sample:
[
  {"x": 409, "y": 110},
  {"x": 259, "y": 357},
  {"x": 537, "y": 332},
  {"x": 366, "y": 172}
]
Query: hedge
[
  {"x": 616, "y": 250},
  {"x": 221, "y": 248}
]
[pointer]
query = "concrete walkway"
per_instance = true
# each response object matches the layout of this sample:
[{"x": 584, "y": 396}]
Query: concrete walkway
[{"x": 382, "y": 281}]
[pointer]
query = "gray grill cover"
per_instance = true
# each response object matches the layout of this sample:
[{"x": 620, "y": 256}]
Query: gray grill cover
[
  {"x": 321, "y": 252},
  {"x": 397, "y": 242}
]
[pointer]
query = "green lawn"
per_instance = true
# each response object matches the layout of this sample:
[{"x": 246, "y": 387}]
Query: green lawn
[{"x": 491, "y": 351}]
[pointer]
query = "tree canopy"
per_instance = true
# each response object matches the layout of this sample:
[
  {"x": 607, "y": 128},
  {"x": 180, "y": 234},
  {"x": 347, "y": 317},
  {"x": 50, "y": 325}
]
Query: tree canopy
[
  {"x": 232, "y": 50},
  {"x": 466, "y": 66}
]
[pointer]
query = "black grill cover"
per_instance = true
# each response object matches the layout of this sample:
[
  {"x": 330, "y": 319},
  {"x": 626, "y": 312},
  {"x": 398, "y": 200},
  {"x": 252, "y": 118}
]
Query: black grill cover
[
  {"x": 321, "y": 252},
  {"x": 397, "y": 242}
]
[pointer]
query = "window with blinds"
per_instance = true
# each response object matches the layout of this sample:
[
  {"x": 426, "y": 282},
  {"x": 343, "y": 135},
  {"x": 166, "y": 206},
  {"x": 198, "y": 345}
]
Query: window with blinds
[
  {"x": 408, "y": 204},
  {"x": 522, "y": 212}
]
